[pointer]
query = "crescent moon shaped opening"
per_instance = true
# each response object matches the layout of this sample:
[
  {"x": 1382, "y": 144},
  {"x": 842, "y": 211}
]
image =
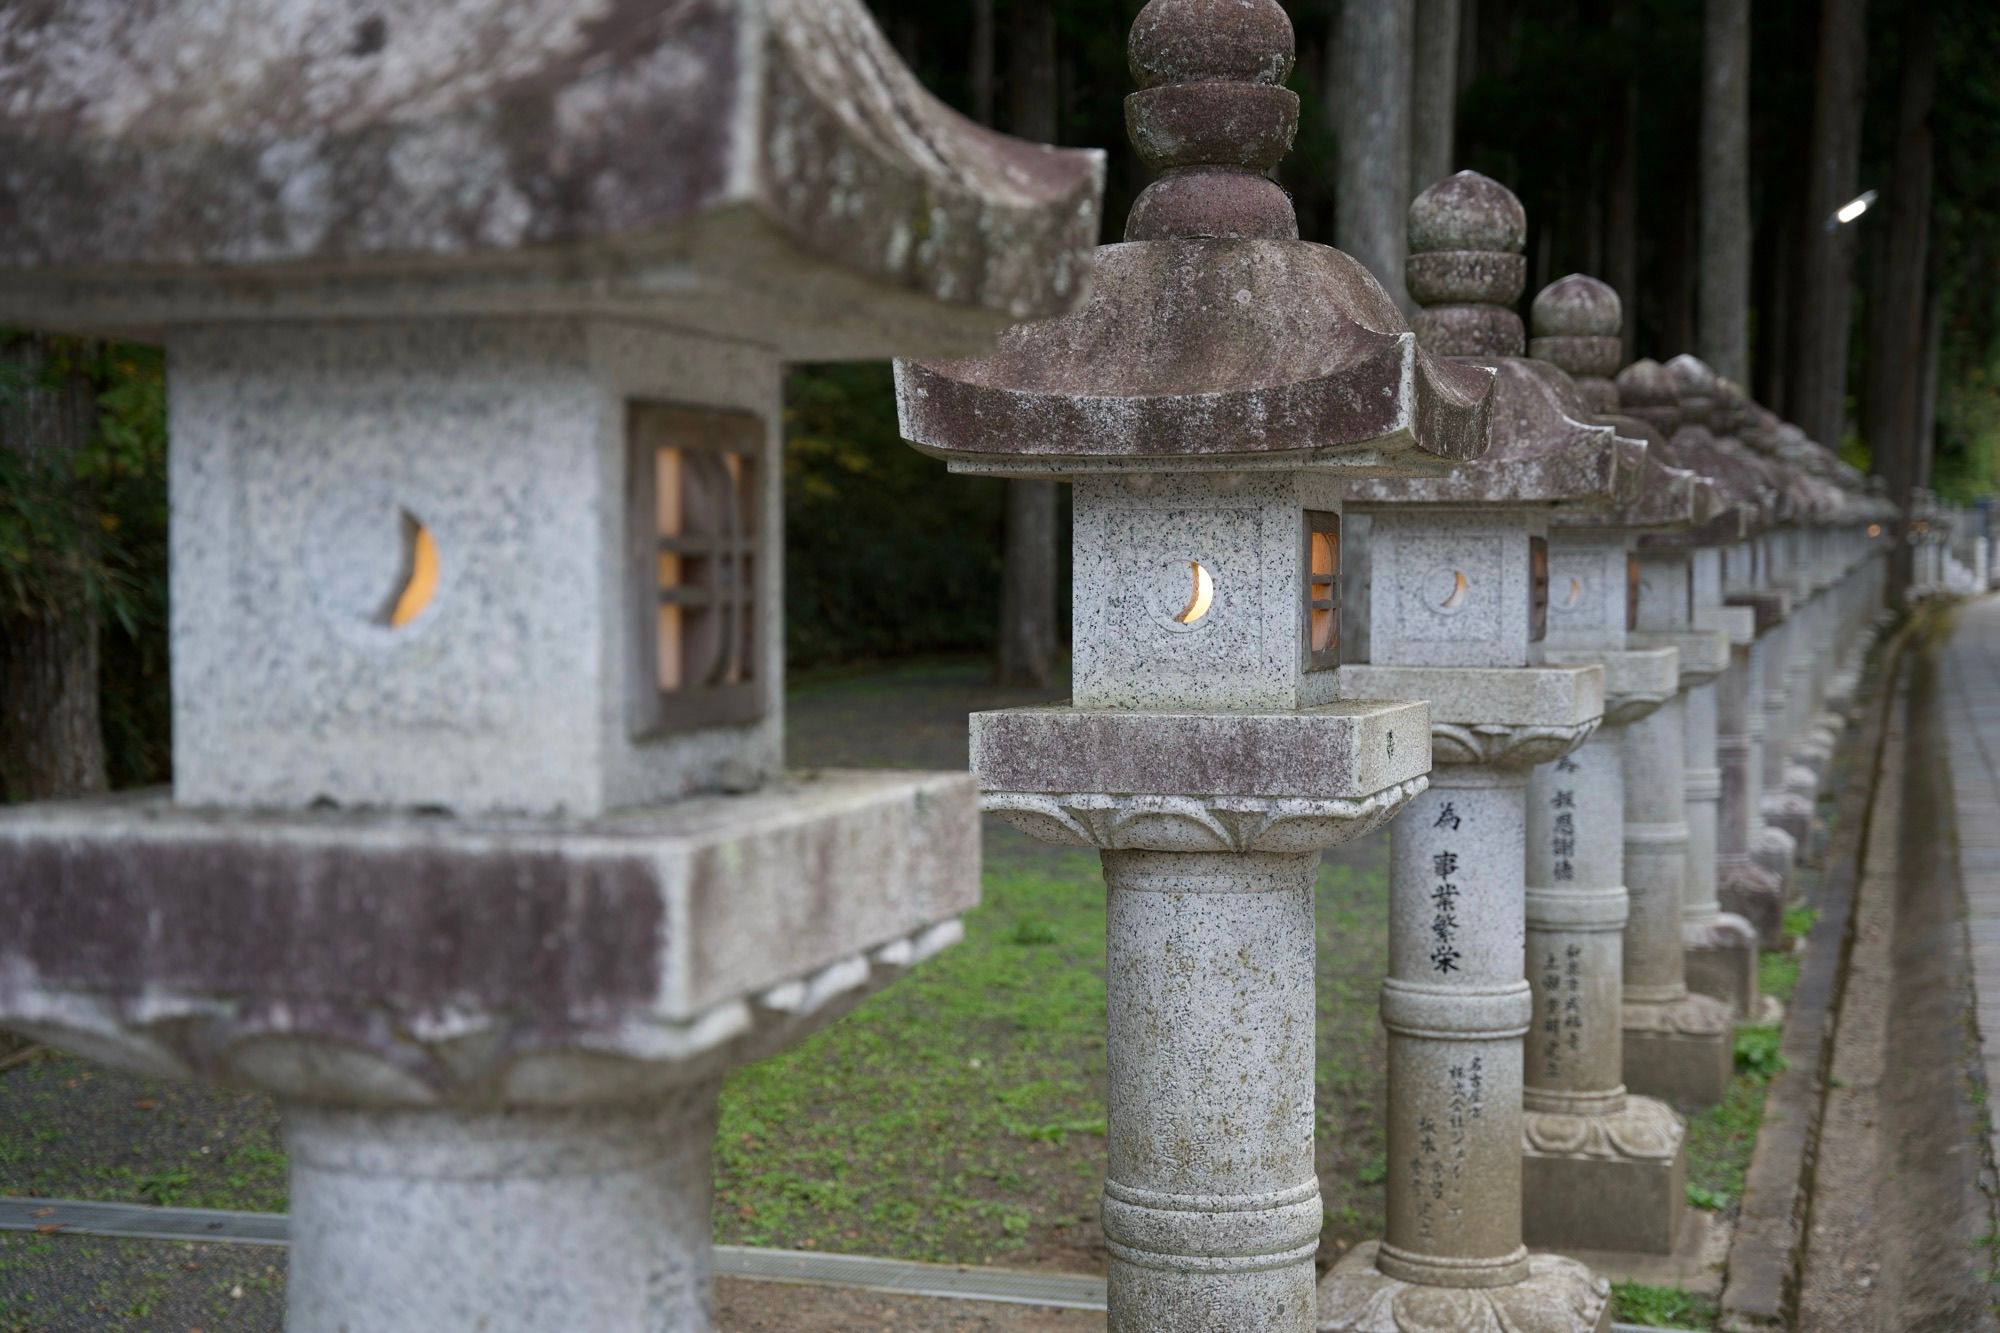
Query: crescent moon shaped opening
[
  {"x": 1198, "y": 600},
  {"x": 421, "y": 585},
  {"x": 1575, "y": 593},
  {"x": 1459, "y": 589}
]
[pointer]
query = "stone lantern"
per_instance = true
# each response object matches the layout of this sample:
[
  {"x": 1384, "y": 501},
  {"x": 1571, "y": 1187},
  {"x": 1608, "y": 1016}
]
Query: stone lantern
[
  {"x": 1204, "y": 403},
  {"x": 1458, "y": 614},
  {"x": 1605, "y": 1168},
  {"x": 480, "y": 856},
  {"x": 1678, "y": 600}
]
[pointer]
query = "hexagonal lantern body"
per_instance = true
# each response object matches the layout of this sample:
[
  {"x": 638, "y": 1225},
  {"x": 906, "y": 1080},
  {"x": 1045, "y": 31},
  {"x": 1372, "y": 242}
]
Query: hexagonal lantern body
[
  {"x": 1463, "y": 573},
  {"x": 474, "y": 342},
  {"x": 1221, "y": 375},
  {"x": 1205, "y": 590}
]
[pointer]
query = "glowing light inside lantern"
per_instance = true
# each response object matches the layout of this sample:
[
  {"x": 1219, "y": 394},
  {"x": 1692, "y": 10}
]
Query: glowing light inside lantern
[
  {"x": 1199, "y": 599},
  {"x": 421, "y": 586}
]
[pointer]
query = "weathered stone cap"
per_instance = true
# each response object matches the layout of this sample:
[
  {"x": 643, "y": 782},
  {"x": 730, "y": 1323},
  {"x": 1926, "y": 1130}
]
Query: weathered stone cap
[
  {"x": 624, "y": 155},
  {"x": 1213, "y": 337},
  {"x": 1203, "y": 352},
  {"x": 1545, "y": 451}
]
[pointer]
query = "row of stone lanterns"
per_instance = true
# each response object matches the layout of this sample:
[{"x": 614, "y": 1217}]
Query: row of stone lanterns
[{"x": 480, "y": 855}]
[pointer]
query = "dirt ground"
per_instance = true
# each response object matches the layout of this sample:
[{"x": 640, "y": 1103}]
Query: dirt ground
[{"x": 1901, "y": 1231}]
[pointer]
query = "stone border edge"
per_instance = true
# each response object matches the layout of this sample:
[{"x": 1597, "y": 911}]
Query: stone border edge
[{"x": 1767, "y": 1253}]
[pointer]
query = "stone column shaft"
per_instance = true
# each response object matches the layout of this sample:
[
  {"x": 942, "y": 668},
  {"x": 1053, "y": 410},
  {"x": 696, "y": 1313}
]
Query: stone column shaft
[
  {"x": 508, "y": 1221},
  {"x": 1600, "y": 1169},
  {"x": 1677, "y": 1045},
  {"x": 1211, "y": 1202},
  {"x": 1720, "y": 946},
  {"x": 1456, "y": 1007}
]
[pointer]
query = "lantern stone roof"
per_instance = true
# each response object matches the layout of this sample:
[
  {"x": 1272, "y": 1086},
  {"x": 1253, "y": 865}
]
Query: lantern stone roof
[
  {"x": 1576, "y": 322},
  {"x": 1466, "y": 270},
  {"x": 1213, "y": 337},
  {"x": 1651, "y": 393},
  {"x": 765, "y": 169}
]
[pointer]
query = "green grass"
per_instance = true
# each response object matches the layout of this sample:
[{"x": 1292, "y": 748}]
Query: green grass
[
  {"x": 1799, "y": 921},
  {"x": 1778, "y": 973},
  {"x": 1721, "y": 1139},
  {"x": 1660, "y": 1307},
  {"x": 938, "y": 1120}
]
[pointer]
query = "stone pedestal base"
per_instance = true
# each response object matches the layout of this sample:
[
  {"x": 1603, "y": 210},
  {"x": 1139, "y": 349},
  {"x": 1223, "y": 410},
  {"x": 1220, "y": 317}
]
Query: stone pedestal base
[
  {"x": 1721, "y": 957},
  {"x": 1756, "y": 895},
  {"x": 1682, "y": 1051},
  {"x": 1606, "y": 1182},
  {"x": 1792, "y": 814},
  {"x": 1558, "y": 1296},
  {"x": 512, "y": 1221},
  {"x": 1774, "y": 851}
]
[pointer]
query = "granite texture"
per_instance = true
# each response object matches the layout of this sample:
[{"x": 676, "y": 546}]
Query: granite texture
[
  {"x": 411, "y": 1221},
  {"x": 1557, "y": 1296},
  {"x": 1341, "y": 750},
  {"x": 1678, "y": 1046},
  {"x": 356, "y": 959},
  {"x": 1600, "y": 1170},
  {"x": 769, "y": 169},
  {"x": 306, "y": 452},
  {"x": 1211, "y": 1205},
  {"x": 1137, "y": 540},
  {"x": 1213, "y": 338}
]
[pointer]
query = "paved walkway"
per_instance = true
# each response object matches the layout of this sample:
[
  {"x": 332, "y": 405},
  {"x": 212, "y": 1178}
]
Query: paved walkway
[{"x": 1970, "y": 685}]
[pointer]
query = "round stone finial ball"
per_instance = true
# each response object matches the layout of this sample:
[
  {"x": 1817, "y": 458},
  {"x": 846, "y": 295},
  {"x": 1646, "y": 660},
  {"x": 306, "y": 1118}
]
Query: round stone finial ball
[
  {"x": 1692, "y": 377},
  {"x": 1211, "y": 41},
  {"x": 1578, "y": 306},
  {"x": 1646, "y": 383},
  {"x": 1468, "y": 212}
]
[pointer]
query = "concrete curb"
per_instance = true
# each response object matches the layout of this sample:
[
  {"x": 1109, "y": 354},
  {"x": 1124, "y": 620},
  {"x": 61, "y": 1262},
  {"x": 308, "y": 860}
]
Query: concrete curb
[
  {"x": 1760, "y": 1292},
  {"x": 901, "y": 1277}
]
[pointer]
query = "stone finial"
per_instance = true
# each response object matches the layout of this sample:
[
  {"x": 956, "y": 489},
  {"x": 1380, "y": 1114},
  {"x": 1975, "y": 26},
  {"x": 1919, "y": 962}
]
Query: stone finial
[
  {"x": 1466, "y": 267},
  {"x": 1646, "y": 391},
  {"x": 1694, "y": 388},
  {"x": 1212, "y": 115},
  {"x": 1732, "y": 408},
  {"x": 1576, "y": 322}
]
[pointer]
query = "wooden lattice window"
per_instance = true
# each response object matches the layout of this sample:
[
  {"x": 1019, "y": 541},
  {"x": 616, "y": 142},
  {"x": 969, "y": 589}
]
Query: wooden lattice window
[
  {"x": 697, "y": 547},
  {"x": 1538, "y": 589},
  {"x": 1322, "y": 588}
]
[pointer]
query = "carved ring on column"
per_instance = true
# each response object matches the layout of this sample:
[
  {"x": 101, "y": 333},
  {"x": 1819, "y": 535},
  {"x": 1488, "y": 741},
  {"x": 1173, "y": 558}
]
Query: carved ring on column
[
  {"x": 347, "y": 1056},
  {"x": 1155, "y": 823},
  {"x": 1504, "y": 745},
  {"x": 1643, "y": 1130}
]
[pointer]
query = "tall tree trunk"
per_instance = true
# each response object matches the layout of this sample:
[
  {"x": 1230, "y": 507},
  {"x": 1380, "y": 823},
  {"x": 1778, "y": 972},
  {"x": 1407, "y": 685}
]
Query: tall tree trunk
[
  {"x": 982, "y": 61},
  {"x": 1724, "y": 262},
  {"x": 1434, "y": 92},
  {"x": 51, "y": 737},
  {"x": 1825, "y": 295},
  {"x": 1027, "y": 641},
  {"x": 1772, "y": 264},
  {"x": 1894, "y": 376},
  {"x": 1927, "y": 383},
  {"x": 1372, "y": 119},
  {"x": 1621, "y": 195},
  {"x": 1677, "y": 273}
]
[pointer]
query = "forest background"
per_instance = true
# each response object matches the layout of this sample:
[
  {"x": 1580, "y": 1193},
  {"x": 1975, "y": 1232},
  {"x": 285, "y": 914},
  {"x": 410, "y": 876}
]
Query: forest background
[{"x": 1589, "y": 110}]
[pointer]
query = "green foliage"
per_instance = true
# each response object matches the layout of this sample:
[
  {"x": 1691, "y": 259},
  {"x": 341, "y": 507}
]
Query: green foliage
[
  {"x": 1701, "y": 1196},
  {"x": 1778, "y": 974},
  {"x": 1757, "y": 1052},
  {"x": 1660, "y": 1307},
  {"x": 1798, "y": 921},
  {"x": 885, "y": 554},
  {"x": 91, "y": 527}
]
